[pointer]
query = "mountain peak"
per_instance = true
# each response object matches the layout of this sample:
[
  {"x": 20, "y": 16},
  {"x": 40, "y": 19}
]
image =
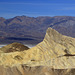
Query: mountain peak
[
  {"x": 52, "y": 34},
  {"x": 51, "y": 31}
]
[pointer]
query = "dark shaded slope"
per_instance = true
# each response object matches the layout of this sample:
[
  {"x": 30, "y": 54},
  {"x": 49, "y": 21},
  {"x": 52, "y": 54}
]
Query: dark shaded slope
[{"x": 13, "y": 47}]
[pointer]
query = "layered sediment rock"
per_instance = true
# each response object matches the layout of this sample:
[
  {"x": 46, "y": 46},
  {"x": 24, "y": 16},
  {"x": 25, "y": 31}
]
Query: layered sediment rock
[
  {"x": 37, "y": 70},
  {"x": 55, "y": 55}
]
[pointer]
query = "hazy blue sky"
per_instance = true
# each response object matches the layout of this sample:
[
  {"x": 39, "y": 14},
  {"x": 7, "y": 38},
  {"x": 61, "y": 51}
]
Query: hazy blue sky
[{"x": 11, "y": 8}]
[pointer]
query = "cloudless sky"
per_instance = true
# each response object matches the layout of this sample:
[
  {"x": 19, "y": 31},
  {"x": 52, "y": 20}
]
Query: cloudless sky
[{"x": 34, "y": 8}]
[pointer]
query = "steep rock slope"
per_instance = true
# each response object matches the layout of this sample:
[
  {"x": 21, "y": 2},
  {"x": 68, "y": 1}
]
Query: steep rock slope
[{"x": 55, "y": 55}]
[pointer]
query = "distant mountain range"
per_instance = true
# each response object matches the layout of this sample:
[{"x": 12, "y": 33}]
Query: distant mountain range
[{"x": 24, "y": 29}]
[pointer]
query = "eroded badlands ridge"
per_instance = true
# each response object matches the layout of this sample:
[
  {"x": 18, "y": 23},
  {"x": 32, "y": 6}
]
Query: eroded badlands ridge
[{"x": 55, "y": 55}]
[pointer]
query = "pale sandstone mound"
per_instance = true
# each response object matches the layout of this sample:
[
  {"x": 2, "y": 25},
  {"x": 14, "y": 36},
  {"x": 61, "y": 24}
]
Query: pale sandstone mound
[
  {"x": 13, "y": 47},
  {"x": 55, "y": 55}
]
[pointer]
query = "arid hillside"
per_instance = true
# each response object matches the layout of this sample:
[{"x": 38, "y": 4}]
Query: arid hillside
[
  {"x": 55, "y": 55},
  {"x": 13, "y": 48}
]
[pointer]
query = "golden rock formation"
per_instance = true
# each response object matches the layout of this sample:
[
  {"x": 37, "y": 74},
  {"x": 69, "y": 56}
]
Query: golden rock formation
[{"x": 55, "y": 55}]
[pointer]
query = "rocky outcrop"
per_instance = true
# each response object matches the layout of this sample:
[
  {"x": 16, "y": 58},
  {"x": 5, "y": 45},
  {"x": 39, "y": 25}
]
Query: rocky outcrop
[
  {"x": 55, "y": 55},
  {"x": 13, "y": 47},
  {"x": 37, "y": 70}
]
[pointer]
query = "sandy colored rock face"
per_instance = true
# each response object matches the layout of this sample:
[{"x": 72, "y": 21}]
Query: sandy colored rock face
[
  {"x": 37, "y": 70},
  {"x": 55, "y": 55}
]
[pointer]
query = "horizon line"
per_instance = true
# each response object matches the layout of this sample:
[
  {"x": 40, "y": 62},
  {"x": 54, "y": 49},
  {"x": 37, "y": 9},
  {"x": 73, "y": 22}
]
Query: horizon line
[{"x": 38, "y": 16}]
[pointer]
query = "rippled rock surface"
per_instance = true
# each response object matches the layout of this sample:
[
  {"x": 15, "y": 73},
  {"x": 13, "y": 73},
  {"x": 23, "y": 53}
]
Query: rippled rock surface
[{"x": 55, "y": 55}]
